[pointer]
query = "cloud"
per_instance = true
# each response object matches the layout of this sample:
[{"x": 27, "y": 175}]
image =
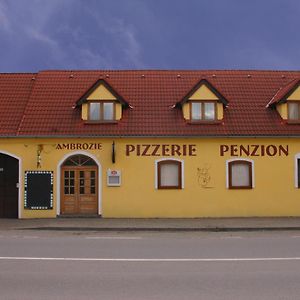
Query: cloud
[
  {"x": 91, "y": 60},
  {"x": 259, "y": 54},
  {"x": 123, "y": 36},
  {"x": 127, "y": 37},
  {"x": 4, "y": 21}
]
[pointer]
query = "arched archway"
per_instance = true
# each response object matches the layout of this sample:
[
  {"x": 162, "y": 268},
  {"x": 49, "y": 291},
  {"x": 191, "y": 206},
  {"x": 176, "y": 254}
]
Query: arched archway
[
  {"x": 79, "y": 185},
  {"x": 9, "y": 185}
]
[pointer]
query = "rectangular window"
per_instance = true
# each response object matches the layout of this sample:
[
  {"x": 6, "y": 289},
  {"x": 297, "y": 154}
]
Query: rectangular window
[
  {"x": 196, "y": 111},
  {"x": 203, "y": 111},
  {"x": 94, "y": 111},
  {"x": 294, "y": 111},
  {"x": 108, "y": 111},
  {"x": 102, "y": 111},
  {"x": 240, "y": 174},
  {"x": 209, "y": 111},
  {"x": 169, "y": 174}
]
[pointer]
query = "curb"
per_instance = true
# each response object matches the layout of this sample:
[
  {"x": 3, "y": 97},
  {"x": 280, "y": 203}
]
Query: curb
[{"x": 164, "y": 229}]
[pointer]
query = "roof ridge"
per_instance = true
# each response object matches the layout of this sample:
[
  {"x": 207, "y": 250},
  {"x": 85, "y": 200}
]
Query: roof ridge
[
  {"x": 166, "y": 70},
  {"x": 293, "y": 82}
]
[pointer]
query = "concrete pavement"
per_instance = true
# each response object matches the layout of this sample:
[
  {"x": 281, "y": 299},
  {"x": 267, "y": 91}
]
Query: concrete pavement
[{"x": 198, "y": 224}]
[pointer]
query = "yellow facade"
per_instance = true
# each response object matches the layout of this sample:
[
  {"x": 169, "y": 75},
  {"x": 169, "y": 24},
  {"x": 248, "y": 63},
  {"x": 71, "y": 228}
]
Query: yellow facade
[
  {"x": 203, "y": 93},
  {"x": 205, "y": 192},
  {"x": 295, "y": 95},
  {"x": 282, "y": 110},
  {"x": 101, "y": 93}
]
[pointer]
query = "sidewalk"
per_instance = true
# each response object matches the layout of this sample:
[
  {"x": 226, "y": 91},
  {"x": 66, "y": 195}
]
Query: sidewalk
[{"x": 201, "y": 224}]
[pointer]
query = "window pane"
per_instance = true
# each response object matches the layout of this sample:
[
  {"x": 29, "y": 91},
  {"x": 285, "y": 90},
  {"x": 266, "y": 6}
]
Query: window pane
[
  {"x": 169, "y": 174},
  {"x": 240, "y": 175},
  {"x": 209, "y": 111},
  {"x": 114, "y": 180},
  {"x": 108, "y": 111},
  {"x": 293, "y": 111},
  {"x": 94, "y": 111},
  {"x": 196, "y": 111}
]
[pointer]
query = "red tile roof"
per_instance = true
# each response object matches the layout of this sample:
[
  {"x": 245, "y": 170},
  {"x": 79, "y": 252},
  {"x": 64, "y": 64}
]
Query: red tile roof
[
  {"x": 45, "y": 106},
  {"x": 14, "y": 94},
  {"x": 284, "y": 91}
]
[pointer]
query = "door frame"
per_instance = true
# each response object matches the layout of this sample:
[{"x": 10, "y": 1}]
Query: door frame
[
  {"x": 58, "y": 183},
  {"x": 20, "y": 180}
]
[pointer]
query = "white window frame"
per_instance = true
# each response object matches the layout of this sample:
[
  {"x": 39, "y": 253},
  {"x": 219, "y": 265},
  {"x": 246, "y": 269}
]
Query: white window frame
[
  {"x": 202, "y": 105},
  {"x": 170, "y": 159},
  {"x": 239, "y": 159},
  {"x": 101, "y": 111},
  {"x": 297, "y": 156}
]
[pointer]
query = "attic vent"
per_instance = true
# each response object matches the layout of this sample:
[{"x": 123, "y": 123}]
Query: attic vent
[
  {"x": 71, "y": 76},
  {"x": 249, "y": 76},
  {"x": 214, "y": 75},
  {"x": 282, "y": 76},
  {"x": 178, "y": 76},
  {"x": 33, "y": 78},
  {"x": 143, "y": 76},
  {"x": 107, "y": 75}
]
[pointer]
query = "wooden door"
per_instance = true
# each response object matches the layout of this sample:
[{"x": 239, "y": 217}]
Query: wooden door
[
  {"x": 79, "y": 190},
  {"x": 9, "y": 177}
]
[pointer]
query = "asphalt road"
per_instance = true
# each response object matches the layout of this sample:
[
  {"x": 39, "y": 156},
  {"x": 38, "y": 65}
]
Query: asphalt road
[{"x": 60, "y": 265}]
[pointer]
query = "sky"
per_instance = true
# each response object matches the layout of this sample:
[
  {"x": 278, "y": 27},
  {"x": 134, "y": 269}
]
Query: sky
[{"x": 149, "y": 34}]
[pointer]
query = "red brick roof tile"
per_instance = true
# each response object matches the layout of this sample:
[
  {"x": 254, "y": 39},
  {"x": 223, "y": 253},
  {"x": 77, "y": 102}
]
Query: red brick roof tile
[
  {"x": 45, "y": 106},
  {"x": 284, "y": 91},
  {"x": 14, "y": 94}
]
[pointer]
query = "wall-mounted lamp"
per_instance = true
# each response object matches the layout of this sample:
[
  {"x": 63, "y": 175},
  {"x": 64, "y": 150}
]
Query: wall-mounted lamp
[{"x": 113, "y": 153}]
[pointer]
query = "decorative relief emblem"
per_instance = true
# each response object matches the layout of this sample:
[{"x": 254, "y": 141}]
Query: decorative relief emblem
[{"x": 203, "y": 176}]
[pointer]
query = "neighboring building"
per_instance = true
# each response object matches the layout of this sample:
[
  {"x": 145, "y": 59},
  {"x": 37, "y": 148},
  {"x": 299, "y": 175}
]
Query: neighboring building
[{"x": 150, "y": 144}]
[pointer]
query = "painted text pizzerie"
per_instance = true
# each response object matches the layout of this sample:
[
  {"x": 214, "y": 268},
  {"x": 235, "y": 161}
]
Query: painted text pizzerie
[{"x": 161, "y": 150}]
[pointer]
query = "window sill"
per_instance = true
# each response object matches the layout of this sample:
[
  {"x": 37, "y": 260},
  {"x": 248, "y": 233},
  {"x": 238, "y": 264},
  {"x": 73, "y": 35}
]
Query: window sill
[
  {"x": 208, "y": 122},
  {"x": 240, "y": 188},
  {"x": 100, "y": 122},
  {"x": 293, "y": 122},
  {"x": 169, "y": 188}
]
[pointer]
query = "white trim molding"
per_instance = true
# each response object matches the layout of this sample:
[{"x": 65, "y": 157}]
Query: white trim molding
[
  {"x": 297, "y": 156},
  {"x": 172, "y": 159},
  {"x": 20, "y": 183},
  {"x": 239, "y": 159},
  {"x": 58, "y": 178}
]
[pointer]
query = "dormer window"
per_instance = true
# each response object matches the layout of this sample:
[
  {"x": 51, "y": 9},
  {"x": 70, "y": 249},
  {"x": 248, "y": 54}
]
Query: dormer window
[
  {"x": 287, "y": 102},
  {"x": 101, "y": 104},
  {"x": 101, "y": 111},
  {"x": 294, "y": 111},
  {"x": 203, "y": 104},
  {"x": 203, "y": 110}
]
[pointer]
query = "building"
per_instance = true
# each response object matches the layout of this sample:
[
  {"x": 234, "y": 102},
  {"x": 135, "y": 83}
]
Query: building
[{"x": 150, "y": 144}]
